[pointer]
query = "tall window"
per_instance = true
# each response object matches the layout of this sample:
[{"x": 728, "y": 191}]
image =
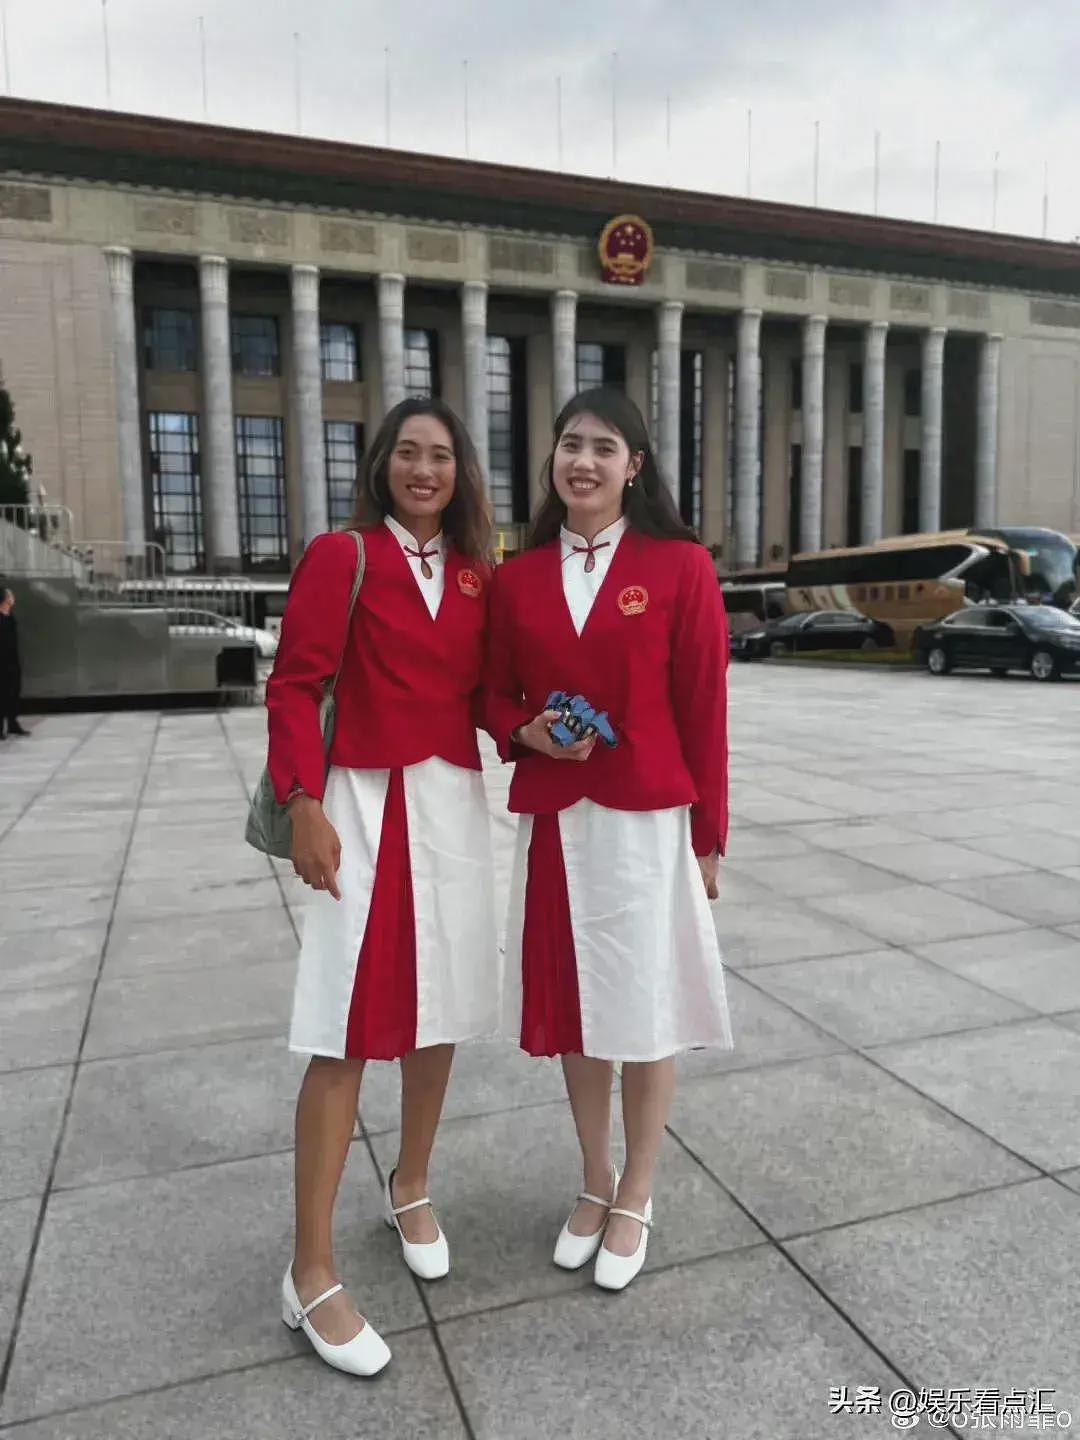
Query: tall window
[
  {"x": 174, "y": 483},
  {"x": 421, "y": 363},
  {"x": 911, "y": 493},
  {"x": 260, "y": 473},
  {"x": 344, "y": 447},
  {"x": 854, "y": 496},
  {"x": 169, "y": 339},
  {"x": 255, "y": 348},
  {"x": 913, "y": 392},
  {"x": 796, "y": 384},
  {"x": 795, "y": 502},
  {"x": 600, "y": 365},
  {"x": 508, "y": 460},
  {"x": 855, "y": 374},
  {"x": 340, "y": 352}
]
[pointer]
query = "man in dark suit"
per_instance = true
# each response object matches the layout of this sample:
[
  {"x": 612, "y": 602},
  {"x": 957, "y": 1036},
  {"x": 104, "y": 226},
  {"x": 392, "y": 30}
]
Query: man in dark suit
[{"x": 10, "y": 669}]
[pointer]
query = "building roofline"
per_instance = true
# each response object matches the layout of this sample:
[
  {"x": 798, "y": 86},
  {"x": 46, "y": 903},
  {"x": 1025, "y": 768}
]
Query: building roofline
[{"x": 79, "y": 142}]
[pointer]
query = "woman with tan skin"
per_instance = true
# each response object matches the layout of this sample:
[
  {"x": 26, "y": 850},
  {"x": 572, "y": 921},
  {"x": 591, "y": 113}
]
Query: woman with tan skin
[
  {"x": 611, "y": 953},
  {"x": 399, "y": 959}
]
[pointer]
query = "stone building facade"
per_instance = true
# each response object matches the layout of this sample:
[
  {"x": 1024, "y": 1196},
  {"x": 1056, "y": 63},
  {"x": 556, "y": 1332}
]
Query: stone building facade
[{"x": 201, "y": 326}]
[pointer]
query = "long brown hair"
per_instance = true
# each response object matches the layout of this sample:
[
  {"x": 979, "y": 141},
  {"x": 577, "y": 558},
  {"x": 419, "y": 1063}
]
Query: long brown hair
[
  {"x": 647, "y": 504},
  {"x": 466, "y": 521}
]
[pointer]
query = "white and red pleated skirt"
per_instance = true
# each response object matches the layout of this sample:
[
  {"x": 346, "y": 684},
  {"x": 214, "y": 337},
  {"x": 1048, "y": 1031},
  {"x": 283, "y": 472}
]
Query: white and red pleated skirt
[
  {"x": 407, "y": 957},
  {"x": 611, "y": 950}
]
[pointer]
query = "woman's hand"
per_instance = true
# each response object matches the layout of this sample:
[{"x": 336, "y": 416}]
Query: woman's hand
[
  {"x": 536, "y": 735},
  {"x": 709, "y": 865},
  {"x": 316, "y": 849}
]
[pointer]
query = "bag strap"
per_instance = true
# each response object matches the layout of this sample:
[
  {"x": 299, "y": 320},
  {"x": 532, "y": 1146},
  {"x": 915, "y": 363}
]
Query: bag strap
[{"x": 358, "y": 580}]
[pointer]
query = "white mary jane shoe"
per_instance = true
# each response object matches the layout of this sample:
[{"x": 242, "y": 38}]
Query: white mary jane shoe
[
  {"x": 365, "y": 1354},
  {"x": 573, "y": 1251},
  {"x": 431, "y": 1261},
  {"x": 614, "y": 1272}
]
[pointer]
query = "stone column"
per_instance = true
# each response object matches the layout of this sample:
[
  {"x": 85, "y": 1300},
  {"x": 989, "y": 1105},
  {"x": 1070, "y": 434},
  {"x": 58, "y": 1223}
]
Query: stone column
[
  {"x": 220, "y": 508},
  {"x": 121, "y": 267},
  {"x": 986, "y": 430},
  {"x": 812, "y": 476},
  {"x": 669, "y": 355},
  {"x": 933, "y": 377},
  {"x": 564, "y": 346},
  {"x": 873, "y": 455},
  {"x": 390, "y": 290},
  {"x": 474, "y": 295},
  {"x": 308, "y": 399},
  {"x": 748, "y": 439}
]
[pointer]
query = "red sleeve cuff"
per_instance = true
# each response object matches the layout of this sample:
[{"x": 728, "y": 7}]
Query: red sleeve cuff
[{"x": 705, "y": 834}]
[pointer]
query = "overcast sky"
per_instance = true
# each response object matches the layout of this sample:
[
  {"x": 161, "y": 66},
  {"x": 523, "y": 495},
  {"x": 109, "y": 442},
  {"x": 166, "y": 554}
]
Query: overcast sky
[{"x": 979, "y": 75}]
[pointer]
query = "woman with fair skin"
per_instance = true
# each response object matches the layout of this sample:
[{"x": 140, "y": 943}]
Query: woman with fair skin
[
  {"x": 399, "y": 959},
  {"x": 611, "y": 952}
]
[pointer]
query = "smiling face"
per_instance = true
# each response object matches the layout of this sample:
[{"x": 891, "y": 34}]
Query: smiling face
[
  {"x": 422, "y": 472},
  {"x": 590, "y": 468}
]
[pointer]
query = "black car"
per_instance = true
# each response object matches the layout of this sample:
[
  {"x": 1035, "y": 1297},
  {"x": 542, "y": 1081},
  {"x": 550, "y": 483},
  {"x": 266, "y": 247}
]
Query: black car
[
  {"x": 999, "y": 638},
  {"x": 810, "y": 631}
]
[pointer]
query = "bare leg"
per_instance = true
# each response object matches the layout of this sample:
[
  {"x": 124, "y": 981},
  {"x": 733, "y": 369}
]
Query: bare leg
[
  {"x": 325, "y": 1114},
  {"x": 588, "y": 1084},
  {"x": 647, "y": 1093},
  {"x": 424, "y": 1077}
]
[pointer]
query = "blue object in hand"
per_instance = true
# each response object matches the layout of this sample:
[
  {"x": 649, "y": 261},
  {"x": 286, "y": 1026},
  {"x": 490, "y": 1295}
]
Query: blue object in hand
[{"x": 578, "y": 720}]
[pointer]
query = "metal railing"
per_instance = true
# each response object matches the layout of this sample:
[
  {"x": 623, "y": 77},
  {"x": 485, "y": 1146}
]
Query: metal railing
[{"x": 36, "y": 540}]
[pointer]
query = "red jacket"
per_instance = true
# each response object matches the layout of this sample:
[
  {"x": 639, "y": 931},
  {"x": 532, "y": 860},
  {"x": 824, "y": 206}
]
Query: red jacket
[
  {"x": 408, "y": 689},
  {"x": 653, "y": 654}
]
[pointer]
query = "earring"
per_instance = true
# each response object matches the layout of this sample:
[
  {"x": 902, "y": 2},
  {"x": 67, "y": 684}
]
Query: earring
[{"x": 630, "y": 483}]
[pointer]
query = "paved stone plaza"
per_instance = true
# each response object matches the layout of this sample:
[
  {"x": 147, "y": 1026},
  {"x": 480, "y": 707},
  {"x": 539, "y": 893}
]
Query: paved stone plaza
[{"x": 880, "y": 1187}]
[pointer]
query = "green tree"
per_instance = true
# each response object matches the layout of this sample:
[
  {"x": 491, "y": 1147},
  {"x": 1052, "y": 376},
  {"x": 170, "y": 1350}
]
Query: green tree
[{"x": 16, "y": 466}]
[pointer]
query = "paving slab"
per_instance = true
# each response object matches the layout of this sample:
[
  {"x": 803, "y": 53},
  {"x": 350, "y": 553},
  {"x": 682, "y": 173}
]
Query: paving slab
[
  {"x": 1010, "y": 1313},
  {"x": 187, "y": 1269},
  {"x": 226, "y": 937},
  {"x": 1018, "y": 1083},
  {"x": 52, "y": 957},
  {"x": 1036, "y": 968},
  {"x": 884, "y": 995},
  {"x": 829, "y": 1140},
  {"x": 32, "y": 1106},
  {"x": 151, "y": 1114},
  {"x": 280, "y": 1400},
  {"x": 18, "y": 1219},
  {"x": 42, "y": 1026},
  {"x": 917, "y": 913},
  {"x": 739, "y": 1346},
  {"x": 170, "y": 1008},
  {"x": 484, "y": 1168},
  {"x": 766, "y": 1032},
  {"x": 1038, "y": 897},
  {"x": 768, "y": 933}
]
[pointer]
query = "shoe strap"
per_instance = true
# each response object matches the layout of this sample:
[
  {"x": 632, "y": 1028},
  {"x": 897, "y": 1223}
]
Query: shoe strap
[
  {"x": 306, "y": 1311},
  {"x": 595, "y": 1199},
  {"x": 631, "y": 1215},
  {"x": 404, "y": 1209}
]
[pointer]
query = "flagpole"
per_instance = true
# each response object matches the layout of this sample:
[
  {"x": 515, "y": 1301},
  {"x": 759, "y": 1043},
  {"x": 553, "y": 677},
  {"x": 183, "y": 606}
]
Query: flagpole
[
  {"x": 386, "y": 96},
  {"x": 202, "y": 52},
  {"x": 994, "y": 206},
  {"x": 108, "y": 68},
  {"x": 669, "y": 140},
  {"x": 559, "y": 115},
  {"x": 817, "y": 157},
  {"x": 465, "y": 94},
  {"x": 937, "y": 179},
  {"x": 296, "y": 77},
  {"x": 749, "y": 151},
  {"x": 614, "y": 118},
  {"x": 1046, "y": 200},
  {"x": 877, "y": 170}
]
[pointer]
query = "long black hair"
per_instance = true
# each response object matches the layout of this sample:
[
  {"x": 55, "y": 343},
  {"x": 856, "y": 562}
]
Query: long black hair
[
  {"x": 647, "y": 503},
  {"x": 466, "y": 521}
]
